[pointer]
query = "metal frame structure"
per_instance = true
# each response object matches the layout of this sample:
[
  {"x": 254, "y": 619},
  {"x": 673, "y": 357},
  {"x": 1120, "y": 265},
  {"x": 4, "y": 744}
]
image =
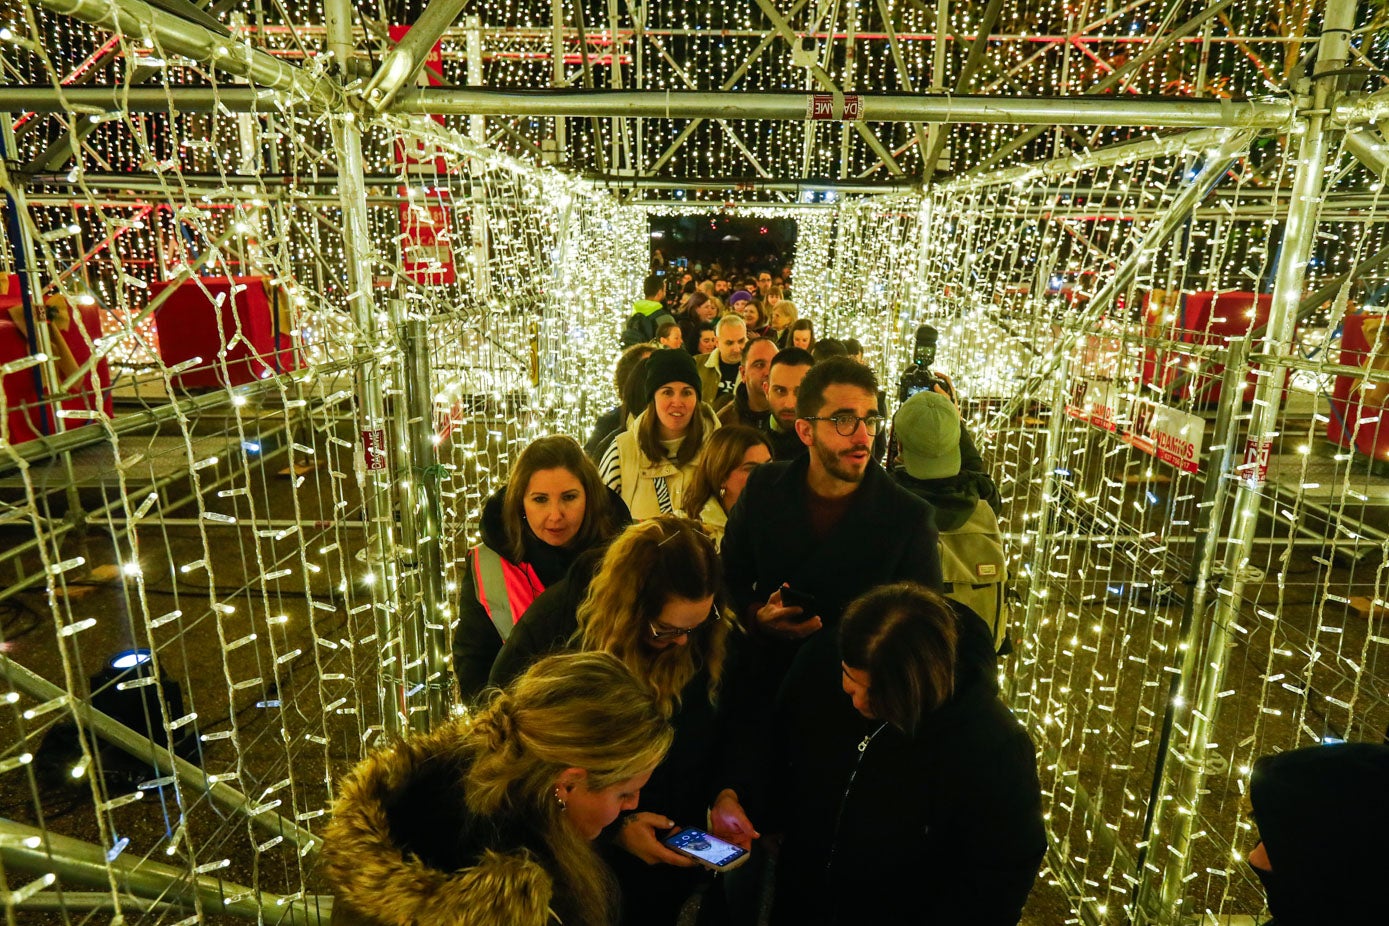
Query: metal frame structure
[{"x": 417, "y": 697}]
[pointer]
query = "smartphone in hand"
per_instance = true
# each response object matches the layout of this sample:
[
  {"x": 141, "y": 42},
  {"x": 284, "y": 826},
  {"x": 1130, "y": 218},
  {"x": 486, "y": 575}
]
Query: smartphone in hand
[
  {"x": 709, "y": 851},
  {"x": 791, "y": 598}
]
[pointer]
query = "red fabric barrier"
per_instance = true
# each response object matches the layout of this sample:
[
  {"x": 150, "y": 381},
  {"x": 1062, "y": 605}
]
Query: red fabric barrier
[
  {"x": 228, "y": 325},
  {"x": 1358, "y": 415},
  {"x": 24, "y": 419},
  {"x": 1199, "y": 318}
]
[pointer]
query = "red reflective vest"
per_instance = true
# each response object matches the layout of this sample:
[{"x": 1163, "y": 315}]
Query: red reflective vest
[{"x": 504, "y": 589}]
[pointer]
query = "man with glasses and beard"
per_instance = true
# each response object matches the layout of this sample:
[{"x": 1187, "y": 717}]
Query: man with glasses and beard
[{"x": 806, "y": 538}]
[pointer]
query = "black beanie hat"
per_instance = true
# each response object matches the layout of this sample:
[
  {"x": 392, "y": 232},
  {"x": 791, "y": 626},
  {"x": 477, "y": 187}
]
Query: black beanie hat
[{"x": 671, "y": 365}]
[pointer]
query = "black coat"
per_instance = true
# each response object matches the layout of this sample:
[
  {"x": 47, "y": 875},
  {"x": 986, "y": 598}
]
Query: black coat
[
  {"x": 598, "y": 441},
  {"x": 1322, "y": 812},
  {"x": 943, "y": 828},
  {"x": 475, "y": 641},
  {"x": 887, "y": 535}
]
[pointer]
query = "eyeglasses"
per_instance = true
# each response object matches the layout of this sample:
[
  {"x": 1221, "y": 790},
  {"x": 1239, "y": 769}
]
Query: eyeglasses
[
  {"x": 714, "y": 618},
  {"x": 846, "y": 425}
]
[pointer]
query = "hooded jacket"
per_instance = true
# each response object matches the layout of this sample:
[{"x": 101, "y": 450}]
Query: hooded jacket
[
  {"x": 404, "y": 850},
  {"x": 940, "y": 828},
  {"x": 739, "y": 412},
  {"x": 476, "y": 640},
  {"x": 648, "y": 315},
  {"x": 953, "y": 498},
  {"x": 629, "y": 471},
  {"x": 1322, "y": 813}
]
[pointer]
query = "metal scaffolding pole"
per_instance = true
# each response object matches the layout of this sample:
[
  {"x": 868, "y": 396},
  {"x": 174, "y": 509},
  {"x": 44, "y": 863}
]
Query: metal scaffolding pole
[
  {"x": 374, "y": 468},
  {"x": 404, "y": 61},
  {"x": 81, "y": 864},
  {"x": 1370, "y": 148},
  {"x": 1107, "y": 156},
  {"x": 1157, "y": 112},
  {"x": 877, "y": 107},
  {"x": 1180, "y": 792},
  {"x": 420, "y": 496},
  {"x": 145, "y": 749},
  {"x": 181, "y": 36}
]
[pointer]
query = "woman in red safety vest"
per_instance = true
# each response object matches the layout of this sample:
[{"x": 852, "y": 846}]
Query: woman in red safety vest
[{"x": 553, "y": 508}]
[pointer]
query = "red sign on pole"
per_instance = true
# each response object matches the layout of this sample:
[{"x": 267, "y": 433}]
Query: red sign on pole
[
  {"x": 426, "y": 237},
  {"x": 374, "y": 449},
  {"x": 1254, "y": 470},
  {"x": 820, "y": 107}
]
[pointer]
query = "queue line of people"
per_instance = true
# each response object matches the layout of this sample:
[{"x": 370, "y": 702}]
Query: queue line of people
[{"x": 776, "y": 594}]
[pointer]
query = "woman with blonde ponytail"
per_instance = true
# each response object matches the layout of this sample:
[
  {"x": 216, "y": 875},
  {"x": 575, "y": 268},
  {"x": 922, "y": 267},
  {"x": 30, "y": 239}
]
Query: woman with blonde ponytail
[
  {"x": 655, "y": 601},
  {"x": 489, "y": 821}
]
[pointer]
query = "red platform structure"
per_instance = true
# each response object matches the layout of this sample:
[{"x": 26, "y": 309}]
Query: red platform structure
[
  {"x": 25, "y": 418},
  {"x": 229, "y": 326},
  {"x": 1358, "y": 409},
  {"x": 1197, "y": 318}
]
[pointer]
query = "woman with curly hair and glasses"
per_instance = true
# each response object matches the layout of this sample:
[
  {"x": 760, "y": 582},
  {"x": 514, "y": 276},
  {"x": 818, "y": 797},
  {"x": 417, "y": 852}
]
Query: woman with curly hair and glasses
[
  {"x": 656, "y": 602},
  {"x": 491, "y": 818}
]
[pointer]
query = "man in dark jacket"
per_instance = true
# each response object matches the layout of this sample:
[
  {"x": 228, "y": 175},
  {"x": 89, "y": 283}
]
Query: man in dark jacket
[
  {"x": 784, "y": 375},
  {"x": 749, "y": 405},
  {"x": 830, "y": 525}
]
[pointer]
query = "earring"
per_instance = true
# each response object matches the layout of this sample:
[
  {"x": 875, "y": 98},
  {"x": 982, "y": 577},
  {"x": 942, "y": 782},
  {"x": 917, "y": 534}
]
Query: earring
[{"x": 559, "y": 800}]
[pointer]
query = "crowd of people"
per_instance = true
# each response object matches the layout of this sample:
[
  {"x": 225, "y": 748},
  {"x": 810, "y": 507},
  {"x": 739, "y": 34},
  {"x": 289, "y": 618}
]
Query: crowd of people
[
  {"x": 735, "y": 661},
  {"x": 727, "y": 614}
]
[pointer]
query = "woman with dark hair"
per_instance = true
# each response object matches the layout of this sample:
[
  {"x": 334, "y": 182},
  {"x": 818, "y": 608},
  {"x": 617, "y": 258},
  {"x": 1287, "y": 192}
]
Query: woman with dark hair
[
  {"x": 697, "y": 309},
  {"x": 552, "y": 508},
  {"x": 656, "y": 602},
  {"x": 755, "y": 317},
  {"x": 490, "y": 819},
  {"x": 802, "y": 334},
  {"x": 729, "y": 458},
  {"x": 614, "y": 419},
  {"x": 650, "y": 463},
  {"x": 915, "y": 798},
  {"x": 708, "y": 341}
]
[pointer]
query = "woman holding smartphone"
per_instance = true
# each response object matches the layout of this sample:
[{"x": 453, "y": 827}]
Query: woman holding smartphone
[
  {"x": 491, "y": 819},
  {"x": 907, "y": 792},
  {"x": 656, "y": 602}
]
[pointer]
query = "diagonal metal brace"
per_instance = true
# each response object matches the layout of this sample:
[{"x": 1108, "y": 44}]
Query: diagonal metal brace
[
  {"x": 822, "y": 77},
  {"x": 404, "y": 61}
]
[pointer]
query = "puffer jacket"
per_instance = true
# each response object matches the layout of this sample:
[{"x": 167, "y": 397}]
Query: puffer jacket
[
  {"x": 630, "y": 472},
  {"x": 404, "y": 850}
]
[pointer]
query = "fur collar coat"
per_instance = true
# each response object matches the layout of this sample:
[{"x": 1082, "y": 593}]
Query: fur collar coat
[{"x": 403, "y": 849}]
